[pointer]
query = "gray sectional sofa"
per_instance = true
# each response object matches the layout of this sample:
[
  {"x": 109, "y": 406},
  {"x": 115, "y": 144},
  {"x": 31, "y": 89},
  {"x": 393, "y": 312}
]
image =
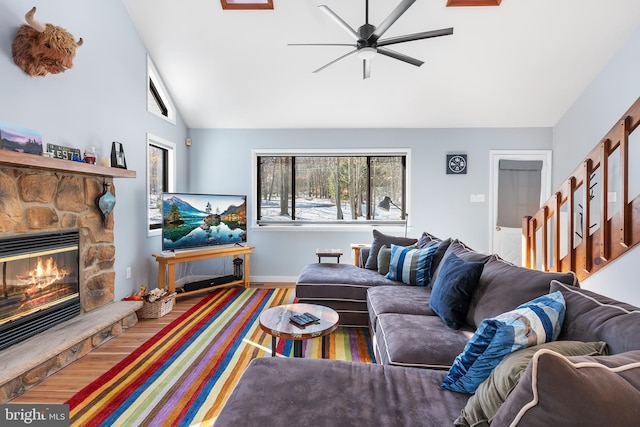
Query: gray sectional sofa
[{"x": 596, "y": 352}]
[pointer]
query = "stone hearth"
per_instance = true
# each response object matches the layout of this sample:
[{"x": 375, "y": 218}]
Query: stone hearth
[{"x": 36, "y": 201}]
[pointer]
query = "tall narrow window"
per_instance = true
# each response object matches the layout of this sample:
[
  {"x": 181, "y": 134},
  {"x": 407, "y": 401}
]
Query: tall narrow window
[
  {"x": 158, "y": 100},
  {"x": 161, "y": 176},
  {"x": 337, "y": 187}
]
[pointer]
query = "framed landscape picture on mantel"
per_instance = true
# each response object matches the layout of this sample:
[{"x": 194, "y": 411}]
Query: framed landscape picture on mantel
[{"x": 19, "y": 139}]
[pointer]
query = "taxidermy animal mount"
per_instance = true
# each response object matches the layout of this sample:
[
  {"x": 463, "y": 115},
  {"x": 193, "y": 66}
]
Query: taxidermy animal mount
[{"x": 40, "y": 49}]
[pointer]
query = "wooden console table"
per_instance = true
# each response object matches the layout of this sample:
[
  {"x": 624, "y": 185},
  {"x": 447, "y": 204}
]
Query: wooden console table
[{"x": 168, "y": 263}]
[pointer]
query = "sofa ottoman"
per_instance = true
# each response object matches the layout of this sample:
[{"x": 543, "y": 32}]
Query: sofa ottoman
[
  {"x": 312, "y": 392},
  {"x": 342, "y": 287}
]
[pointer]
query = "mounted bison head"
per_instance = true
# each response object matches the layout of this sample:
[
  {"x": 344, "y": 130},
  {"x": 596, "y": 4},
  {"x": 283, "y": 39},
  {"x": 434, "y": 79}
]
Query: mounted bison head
[{"x": 40, "y": 48}]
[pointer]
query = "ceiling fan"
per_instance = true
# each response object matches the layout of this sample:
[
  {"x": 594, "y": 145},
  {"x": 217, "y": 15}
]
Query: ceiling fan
[{"x": 367, "y": 38}]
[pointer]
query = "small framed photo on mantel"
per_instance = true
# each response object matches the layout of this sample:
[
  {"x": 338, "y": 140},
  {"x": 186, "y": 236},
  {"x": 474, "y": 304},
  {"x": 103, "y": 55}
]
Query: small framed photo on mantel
[
  {"x": 117, "y": 156},
  {"x": 19, "y": 139}
]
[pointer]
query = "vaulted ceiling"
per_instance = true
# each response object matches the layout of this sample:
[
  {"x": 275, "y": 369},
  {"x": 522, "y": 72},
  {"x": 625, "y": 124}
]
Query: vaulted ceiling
[{"x": 522, "y": 63}]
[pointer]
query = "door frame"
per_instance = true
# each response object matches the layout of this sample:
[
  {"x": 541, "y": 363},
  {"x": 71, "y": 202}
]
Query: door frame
[{"x": 545, "y": 184}]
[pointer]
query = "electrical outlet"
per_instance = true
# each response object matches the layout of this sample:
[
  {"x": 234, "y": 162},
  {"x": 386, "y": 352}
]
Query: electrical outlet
[{"x": 128, "y": 272}]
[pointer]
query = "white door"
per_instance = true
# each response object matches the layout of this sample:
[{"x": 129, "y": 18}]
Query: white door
[{"x": 508, "y": 241}]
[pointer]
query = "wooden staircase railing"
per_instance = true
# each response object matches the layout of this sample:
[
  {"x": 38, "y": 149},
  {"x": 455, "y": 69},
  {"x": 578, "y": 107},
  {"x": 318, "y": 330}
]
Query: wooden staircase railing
[{"x": 592, "y": 219}]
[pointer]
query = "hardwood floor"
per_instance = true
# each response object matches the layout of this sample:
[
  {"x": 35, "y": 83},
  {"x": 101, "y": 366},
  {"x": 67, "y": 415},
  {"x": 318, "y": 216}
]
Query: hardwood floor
[{"x": 61, "y": 386}]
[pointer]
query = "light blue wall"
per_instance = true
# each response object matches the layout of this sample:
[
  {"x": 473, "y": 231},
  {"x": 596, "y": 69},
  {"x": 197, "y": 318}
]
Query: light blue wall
[
  {"x": 100, "y": 100},
  {"x": 597, "y": 109},
  {"x": 594, "y": 113},
  {"x": 221, "y": 162}
]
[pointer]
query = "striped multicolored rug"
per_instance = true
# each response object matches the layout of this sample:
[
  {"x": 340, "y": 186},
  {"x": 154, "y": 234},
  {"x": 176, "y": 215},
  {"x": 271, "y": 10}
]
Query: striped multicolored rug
[{"x": 183, "y": 375}]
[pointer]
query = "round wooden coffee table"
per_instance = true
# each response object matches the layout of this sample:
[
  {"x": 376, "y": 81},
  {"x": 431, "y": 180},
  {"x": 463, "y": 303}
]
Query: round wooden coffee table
[{"x": 275, "y": 322}]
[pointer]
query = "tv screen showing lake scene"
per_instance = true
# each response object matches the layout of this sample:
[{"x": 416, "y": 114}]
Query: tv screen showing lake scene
[{"x": 200, "y": 220}]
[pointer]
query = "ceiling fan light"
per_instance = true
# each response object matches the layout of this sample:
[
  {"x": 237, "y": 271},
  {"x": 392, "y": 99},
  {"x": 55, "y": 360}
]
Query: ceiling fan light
[{"x": 367, "y": 52}]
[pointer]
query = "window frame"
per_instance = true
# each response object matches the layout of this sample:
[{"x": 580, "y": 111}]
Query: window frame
[
  {"x": 156, "y": 87},
  {"x": 337, "y": 224},
  {"x": 170, "y": 175}
]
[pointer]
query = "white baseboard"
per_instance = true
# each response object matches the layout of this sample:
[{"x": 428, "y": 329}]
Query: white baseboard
[
  {"x": 254, "y": 279},
  {"x": 271, "y": 279}
]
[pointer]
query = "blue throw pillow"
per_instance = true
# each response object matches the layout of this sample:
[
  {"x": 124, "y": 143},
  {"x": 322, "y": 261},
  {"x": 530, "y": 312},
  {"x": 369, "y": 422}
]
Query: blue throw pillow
[
  {"x": 532, "y": 323},
  {"x": 452, "y": 289},
  {"x": 411, "y": 266}
]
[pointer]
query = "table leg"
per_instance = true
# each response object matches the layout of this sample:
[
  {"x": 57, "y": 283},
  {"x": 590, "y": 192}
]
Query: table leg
[
  {"x": 162, "y": 276},
  {"x": 273, "y": 346},
  {"x": 324, "y": 347},
  {"x": 172, "y": 278},
  {"x": 247, "y": 263},
  {"x": 297, "y": 348}
]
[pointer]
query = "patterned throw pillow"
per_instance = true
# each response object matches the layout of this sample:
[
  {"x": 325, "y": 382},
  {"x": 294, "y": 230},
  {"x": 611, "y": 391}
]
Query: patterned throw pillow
[
  {"x": 411, "y": 266},
  {"x": 530, "y": 324}
]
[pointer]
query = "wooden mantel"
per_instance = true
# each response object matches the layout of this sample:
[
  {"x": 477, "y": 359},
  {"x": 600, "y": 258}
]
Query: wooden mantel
[{"x": 22, "y": 160}]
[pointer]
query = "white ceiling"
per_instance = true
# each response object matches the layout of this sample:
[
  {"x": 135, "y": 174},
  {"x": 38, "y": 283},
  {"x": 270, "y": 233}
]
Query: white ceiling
[{"x": 522, "y": 63}]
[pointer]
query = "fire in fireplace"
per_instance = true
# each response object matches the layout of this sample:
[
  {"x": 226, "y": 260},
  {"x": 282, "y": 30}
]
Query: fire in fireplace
[{"x": 40, "y": 283}]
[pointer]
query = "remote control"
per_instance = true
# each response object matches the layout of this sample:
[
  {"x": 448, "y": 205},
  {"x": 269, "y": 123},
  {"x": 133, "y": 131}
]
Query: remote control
[
  {"x": 302, "y": 319},
  {"x": 311, "y": 316}
]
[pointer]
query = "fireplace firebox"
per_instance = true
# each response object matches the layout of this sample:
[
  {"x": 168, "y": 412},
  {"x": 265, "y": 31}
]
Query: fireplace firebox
[{"x": 39, "y": 285}]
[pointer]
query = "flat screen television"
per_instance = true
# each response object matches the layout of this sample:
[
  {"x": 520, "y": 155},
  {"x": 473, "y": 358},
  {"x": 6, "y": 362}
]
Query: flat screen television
[{"x": 202, "y": 220}]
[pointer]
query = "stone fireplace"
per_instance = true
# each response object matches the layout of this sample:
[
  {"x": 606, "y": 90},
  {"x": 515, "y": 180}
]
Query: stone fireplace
[
  {"x": 37, "y": 201},
  {"x": 40, "y": 196}
]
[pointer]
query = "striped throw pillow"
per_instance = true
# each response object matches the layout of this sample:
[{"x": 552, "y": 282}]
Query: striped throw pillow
[
  {"x": 411, "y": 266},
  {"x": 532, "y": 323}
]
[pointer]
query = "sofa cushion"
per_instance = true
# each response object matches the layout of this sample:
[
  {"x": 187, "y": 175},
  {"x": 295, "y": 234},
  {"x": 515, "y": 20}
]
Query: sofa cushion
[
  {"x": 418, "y": 341},
  {"x": 463, "y": 252},
  {"x": 380, "y": 240},
  {"x": 533, "y": 323},
  {"x": 397, "y": 299},
  {"x": 384, "y": 259},
  {"x": 504, "y": 286},
  {"x": 427, "y": 239},
  {"x": 410, "y": 266},
  {"x": 575, "y": 391},
  {"x": 491, "y": 394},
  {"x": 594, "y": 317},
  {"x": 451, "y": 292},
  {"x": 275, "y": 391}
]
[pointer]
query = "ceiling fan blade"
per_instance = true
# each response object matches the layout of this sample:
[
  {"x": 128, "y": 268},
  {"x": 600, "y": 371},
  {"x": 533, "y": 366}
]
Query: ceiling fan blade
[
  {"x": 335, "y": 60},
  {"x": 389, "y": 20},
  {"x": 321, "y": 44},
  {"x": 400, "y": 56},
  {"x": 416, "y": 36},
  {"x": 366, "y": 68},
  {"x": 339, "y": 21}
]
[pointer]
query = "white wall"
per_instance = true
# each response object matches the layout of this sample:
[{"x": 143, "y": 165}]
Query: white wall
[
  {"x": 100, "y": 100},
  {"x": 220, "y": 162},
  {"x": 594, "y": 113}
]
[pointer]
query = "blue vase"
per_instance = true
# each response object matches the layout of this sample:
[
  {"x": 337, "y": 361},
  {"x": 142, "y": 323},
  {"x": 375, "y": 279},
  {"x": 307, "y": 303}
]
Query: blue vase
[{"x": 106, "y": 202}]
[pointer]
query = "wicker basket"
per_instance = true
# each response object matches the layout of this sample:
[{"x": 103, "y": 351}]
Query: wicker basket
[{"x": 158, "y": 308}]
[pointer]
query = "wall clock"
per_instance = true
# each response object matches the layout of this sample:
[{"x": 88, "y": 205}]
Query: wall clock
[{"x": 456, "y": 164}]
